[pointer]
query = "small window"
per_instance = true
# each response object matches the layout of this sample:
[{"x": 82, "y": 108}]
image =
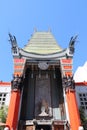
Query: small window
[
  {"x": 0, "y": 94},
  {"x": 82, "y": 103},
  {"x": 84, "y": 95},
  {"x": 3, "y": 99},
  {"x": 85, "y": 103},
  {"x": 83, "y": 100},
  {"x": 80, "y": 95},
  {"x": 4, "y": 95}
]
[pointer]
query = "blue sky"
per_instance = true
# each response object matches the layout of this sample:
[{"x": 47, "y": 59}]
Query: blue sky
[{"x": 65, "y": 18}]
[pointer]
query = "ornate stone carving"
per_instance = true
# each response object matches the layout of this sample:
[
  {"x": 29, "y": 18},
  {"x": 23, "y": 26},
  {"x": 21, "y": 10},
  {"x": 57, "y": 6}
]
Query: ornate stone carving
[
  {"x": 17, "y": 82},
  {"x": 68, "y": 82}
]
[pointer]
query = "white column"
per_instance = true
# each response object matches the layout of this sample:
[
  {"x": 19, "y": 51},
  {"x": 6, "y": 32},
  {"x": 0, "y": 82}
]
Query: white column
[{"x": 66, "y": 107}]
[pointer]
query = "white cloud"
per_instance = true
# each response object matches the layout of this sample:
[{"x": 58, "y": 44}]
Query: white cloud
[{"x": 81, "y": 73}]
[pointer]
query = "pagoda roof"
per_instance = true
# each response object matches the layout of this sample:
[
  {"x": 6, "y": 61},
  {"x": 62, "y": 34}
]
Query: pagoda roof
[
  {"x": 42, "y": 46},
  {"x": 42, "y": 43}
]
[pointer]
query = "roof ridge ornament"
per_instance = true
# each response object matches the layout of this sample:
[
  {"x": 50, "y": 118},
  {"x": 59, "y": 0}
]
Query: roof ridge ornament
[
  {"x": 13, "y": 41},
  {"x": 35, "y": 29},
  {"x": 49, "y": 29},
  {"x": 72, "y": 44}
]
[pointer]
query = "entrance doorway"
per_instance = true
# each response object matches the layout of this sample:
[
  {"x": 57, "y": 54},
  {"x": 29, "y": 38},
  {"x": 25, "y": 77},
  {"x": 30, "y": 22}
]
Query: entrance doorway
[
  {"x": 43, "y": 127},
  {"x": 42, "y": 94}
]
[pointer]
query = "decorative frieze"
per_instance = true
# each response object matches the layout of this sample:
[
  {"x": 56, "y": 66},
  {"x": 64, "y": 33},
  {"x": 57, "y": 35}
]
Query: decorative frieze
[{"x": 19, "y": 65}]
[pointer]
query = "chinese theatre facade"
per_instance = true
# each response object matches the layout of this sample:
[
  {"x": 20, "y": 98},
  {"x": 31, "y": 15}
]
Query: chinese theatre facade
[{"x": 43, "y": 89}]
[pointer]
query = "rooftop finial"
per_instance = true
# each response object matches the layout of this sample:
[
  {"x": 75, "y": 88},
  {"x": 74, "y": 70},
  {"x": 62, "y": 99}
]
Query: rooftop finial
[
  {"x": 49, "y": 29},
  {"x": 35, "y": 29}
]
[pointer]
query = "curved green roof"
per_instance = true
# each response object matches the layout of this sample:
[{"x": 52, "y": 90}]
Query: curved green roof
[{"x": 42, "y": 43}]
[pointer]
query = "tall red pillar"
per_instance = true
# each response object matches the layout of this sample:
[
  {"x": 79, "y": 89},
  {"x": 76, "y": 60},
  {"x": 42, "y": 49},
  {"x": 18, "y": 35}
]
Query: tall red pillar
[
  {"x": 14, "y": 106},
  {"x": 13, "y": 110},
  {"x": 73, "y": 112},
  {"x": 73, "y": 109}
]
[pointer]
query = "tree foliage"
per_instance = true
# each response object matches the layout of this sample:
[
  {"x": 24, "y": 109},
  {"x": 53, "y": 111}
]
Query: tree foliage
[
  {"x": 83, "y": 118},
  {"x": 3, "y": 115}
]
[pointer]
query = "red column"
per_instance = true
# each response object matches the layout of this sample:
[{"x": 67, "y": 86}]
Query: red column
[
  {"x": 73, "y": 109},
  {"x": 13, "y": 110}
]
